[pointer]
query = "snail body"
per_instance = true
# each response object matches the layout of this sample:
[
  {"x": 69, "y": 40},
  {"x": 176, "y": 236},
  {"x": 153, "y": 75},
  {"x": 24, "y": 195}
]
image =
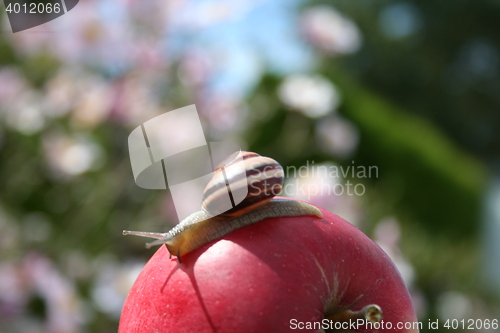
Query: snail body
[{"x": 260, "y": 177}]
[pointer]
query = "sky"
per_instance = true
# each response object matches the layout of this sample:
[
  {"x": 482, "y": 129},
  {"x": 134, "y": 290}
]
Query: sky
[{"x": 254, "y": 36}]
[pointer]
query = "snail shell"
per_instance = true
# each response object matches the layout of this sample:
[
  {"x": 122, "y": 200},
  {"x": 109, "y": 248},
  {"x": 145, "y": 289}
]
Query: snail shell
[{"x": 263, "y": 178}]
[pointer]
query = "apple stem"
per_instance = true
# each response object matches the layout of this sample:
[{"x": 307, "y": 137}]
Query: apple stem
[{"x": 371, "y": 313}]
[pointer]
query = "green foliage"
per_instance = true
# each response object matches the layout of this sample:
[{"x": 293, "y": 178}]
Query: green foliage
[{"x": 441, "y": 184}]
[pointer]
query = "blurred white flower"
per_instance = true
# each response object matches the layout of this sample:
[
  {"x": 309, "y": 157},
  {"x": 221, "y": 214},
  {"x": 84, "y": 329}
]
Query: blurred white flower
[
  {"x": 322, "y": 185},
  {"x": 313, "y": 96},
  {"x": 311, "y": 183},
  {"x": 88, "y": 96},
  {"x": 330, "y": 31},
  {"x": 337, "y": 136},
  {"x": 63, "y": 89},
  {"x": 26, "y": 114},
  {"x": 454, "y": 305},
  {"x": 112, "y": 284},
  {"x": 94, "y": 105},
  {"x": 71, "y": 156}
]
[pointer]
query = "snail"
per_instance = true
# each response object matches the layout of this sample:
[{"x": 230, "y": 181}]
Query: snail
[{"x": 262, "y": 176}]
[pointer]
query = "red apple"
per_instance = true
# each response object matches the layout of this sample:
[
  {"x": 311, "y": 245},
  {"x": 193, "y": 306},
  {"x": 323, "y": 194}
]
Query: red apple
[{"x": 276, "y": 275}]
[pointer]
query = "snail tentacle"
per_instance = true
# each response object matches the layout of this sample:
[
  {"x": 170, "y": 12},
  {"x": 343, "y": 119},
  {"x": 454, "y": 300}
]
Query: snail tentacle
[{"x": 157, "y": 235}]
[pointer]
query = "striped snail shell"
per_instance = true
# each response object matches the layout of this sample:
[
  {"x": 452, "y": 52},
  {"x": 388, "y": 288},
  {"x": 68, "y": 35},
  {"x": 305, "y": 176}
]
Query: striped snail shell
[
  {"x": 251, "y": 179},
  {"x": 261, "y": 180}
]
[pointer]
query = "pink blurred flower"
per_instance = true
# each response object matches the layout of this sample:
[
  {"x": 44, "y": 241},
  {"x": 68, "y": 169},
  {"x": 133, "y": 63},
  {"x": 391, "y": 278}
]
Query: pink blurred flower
[
  {"x": 113, "y": 282},
  {"x": 225, "y": 116},
  {"x": 22, "y": 107},
  {"x": 70, "y": 156},
  {"x": 94, "y": 104},
  {"x": 86, "y": 97},
  {"x": 330, "y": 31},
  {"x": 387, "y": 235},
  {"x": 64, "y": 309},
  {"x": 36, "y": 276},
  {"x": 134, "y": 101},
  {"x": 337, "y": 136},
  {"x": 13, "y": 293},
  {"x": 12, "y": 85},
  {"x": 195, "y": 68},
  {"x": 62, "y": 90}
]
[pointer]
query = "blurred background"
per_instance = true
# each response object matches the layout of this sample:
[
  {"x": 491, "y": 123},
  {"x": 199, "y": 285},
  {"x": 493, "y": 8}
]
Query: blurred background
[{"x": 411, "y": 87}]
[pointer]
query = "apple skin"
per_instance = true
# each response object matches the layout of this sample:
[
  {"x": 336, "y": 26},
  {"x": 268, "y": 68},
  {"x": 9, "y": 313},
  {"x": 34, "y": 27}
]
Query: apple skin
[{"x": 260, "y": 277}]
